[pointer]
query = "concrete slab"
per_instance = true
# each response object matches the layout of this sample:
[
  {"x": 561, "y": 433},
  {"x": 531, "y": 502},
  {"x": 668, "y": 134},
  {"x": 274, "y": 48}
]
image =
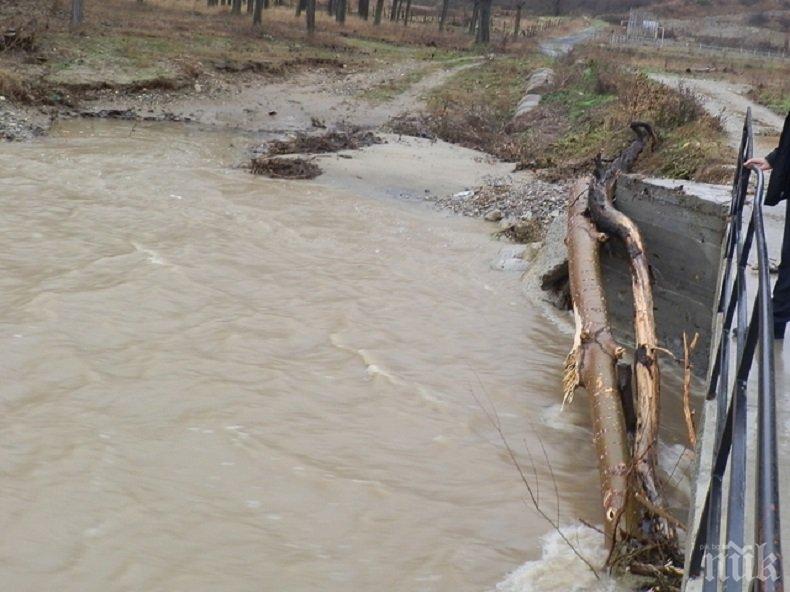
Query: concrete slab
[{"x": 683, "y": 226}]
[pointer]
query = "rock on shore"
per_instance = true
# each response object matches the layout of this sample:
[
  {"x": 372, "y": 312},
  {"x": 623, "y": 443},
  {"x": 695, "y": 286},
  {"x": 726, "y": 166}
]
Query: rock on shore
[
  {"x": 16, "y": 124},
  {"x": 522, "y": 205}
]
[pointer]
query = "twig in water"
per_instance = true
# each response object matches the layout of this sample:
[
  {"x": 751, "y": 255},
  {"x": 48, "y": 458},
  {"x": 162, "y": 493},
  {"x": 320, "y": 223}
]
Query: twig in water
[{"x": 493, "y": 418}]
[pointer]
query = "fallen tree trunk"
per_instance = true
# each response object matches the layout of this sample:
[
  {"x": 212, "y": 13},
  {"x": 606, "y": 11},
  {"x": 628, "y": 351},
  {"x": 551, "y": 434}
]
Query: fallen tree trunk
[
  {"x": 592, "y": 362},
  {"x": 646, "y": 368},
  {"x": 639, "y": 529}
]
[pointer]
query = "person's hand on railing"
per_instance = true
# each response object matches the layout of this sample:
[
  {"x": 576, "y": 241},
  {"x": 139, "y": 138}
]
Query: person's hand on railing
[{"x": 760, "y": 163}]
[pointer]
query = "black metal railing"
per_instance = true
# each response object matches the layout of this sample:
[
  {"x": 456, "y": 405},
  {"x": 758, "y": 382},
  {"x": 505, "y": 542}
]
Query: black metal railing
[{"x": 752, "y": 337}]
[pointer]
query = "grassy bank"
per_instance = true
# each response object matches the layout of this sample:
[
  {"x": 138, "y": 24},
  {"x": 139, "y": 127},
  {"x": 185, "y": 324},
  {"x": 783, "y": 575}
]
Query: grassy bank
[
  {"x": 768, "y": 78},
  {"x": 774, "y": 95},
  {"x": 169, "y": 44},
  {"x": 587, "y": 112}
]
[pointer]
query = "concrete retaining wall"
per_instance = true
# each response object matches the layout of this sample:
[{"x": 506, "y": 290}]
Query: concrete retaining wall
[{"x": 683, "y": 226}]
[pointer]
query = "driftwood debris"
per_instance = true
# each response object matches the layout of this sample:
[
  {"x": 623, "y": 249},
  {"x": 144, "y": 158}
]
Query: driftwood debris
[
  {"x": 637, "y": 523},
  {"x": 592, "y": 362},
  {"x": 284, "y": 168},
  {"x": 647, "y": 377},
  {"x": 332, "y": 141}
]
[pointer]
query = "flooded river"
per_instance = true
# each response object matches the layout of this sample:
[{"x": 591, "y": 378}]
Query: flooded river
[{"x": 214, "y": 381}]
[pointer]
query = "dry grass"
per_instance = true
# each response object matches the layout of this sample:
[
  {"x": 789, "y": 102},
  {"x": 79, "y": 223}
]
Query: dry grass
[
  {"x": 12, "y": 86},
  {"x": 127, "y": 45},
  {"x": 474, "y": 106},
  {"x": 168, "y": 43},
  {"x": 769, "y": 78},
  {"x": 588, "y": 113}
]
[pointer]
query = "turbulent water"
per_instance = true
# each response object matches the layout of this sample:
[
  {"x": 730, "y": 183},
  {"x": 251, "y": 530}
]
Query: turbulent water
[{"x": 214, "y": 381}]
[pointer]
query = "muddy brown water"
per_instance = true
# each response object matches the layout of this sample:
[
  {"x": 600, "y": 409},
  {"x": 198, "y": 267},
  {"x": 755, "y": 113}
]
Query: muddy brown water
[{"x": 215, "y": 381}]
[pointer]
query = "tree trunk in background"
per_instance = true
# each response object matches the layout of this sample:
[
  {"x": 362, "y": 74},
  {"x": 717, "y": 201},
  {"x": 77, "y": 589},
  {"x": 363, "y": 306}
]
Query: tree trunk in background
[
  {"x": 300, "y": 6},
  {"x": 330, "y": 7},
  {"x": 340, "y": 12},
  {"x": 257, "y": 13},
  {"x": 76, "y": 12},
  {"x": 250, "y": 6},
  {"x": 407, "y": 13},
  {"x": 557, "y": 7},
  {"x": 310, "y": 17},
  {"x": 236, "y": 7},
  {"x": 592, "y": 362},
  {"x": 484, "y": 28},
  {"x": 517, "y": 26},
  {"x": 443, "y": 16},
  {"x": 364, "y": 9},
  {"x": 475, "y": 15},
  {"x": 394, "y": 9},
  {"x": 379, "y": 10}
]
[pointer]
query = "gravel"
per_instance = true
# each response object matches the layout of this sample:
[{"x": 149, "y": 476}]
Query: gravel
[
  {"x": 521, "y": 204},
  {"x": 16, "y": 125}
]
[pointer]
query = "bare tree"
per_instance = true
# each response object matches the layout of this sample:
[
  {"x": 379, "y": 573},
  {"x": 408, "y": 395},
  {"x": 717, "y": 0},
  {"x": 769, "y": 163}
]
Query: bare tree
[
  {"x": 310, "y": 17},
  {"x": 517, "y": 25},
  {"x": 443, "y": 16},
  {"x": 300, "y": 6},
  {"x": 76, "y": 12},
  {"x": 257, "y": 13},
  {"x": 484, "y": 27},
  {"x": 475, "y": 16},
  {"x": 379, "y": 10},
  {"x": 236, "y": 7},
  {"x": 364, "y": 9},
  {"x": 407, "y": 13},
  {"x": 394, "y": 9},
  {"x": 340, "y": 14},
  {"x": 250, "y": 6}
]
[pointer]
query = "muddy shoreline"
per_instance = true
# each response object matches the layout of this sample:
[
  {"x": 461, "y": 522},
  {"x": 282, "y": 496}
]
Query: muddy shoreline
[{"x": 316, "y": 104}]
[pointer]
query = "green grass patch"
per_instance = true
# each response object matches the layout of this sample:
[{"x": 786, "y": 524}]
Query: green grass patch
[
  {"x": 495, "y": 85},
  {"x": 777, "y": 99},
  {"x": 588, "y": 112}
]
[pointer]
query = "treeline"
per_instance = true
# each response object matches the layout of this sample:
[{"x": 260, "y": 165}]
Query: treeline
[{"x": 396, "y": 11}]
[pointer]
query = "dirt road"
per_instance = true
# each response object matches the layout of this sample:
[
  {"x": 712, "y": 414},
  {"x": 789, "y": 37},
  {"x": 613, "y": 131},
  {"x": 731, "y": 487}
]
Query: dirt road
[
  {"x": 559, "y": 46},
  {"x": 730, "y": 101},
  {"x": 326, "y": 97}
]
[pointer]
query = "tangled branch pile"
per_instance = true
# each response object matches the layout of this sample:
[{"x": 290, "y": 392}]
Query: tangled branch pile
[
  {"x": 284, "y": 168},
  {"x": 333, "y": 141}
]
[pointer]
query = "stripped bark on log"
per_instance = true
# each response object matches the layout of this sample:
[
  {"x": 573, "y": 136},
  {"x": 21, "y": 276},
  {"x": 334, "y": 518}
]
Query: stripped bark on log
[
  {"x": 646, "y": 368},
  {"x": 637, "y": 525},
  {"x": 593, "y": 361}
]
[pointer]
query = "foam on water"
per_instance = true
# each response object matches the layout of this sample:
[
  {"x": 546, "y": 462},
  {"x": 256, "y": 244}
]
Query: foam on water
[
  {"x": 569, "y": 420},
  {"x": 560, "y": 570}
]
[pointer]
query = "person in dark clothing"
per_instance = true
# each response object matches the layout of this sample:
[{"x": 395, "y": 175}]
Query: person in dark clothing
[{"x": 778, "y": 162}]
